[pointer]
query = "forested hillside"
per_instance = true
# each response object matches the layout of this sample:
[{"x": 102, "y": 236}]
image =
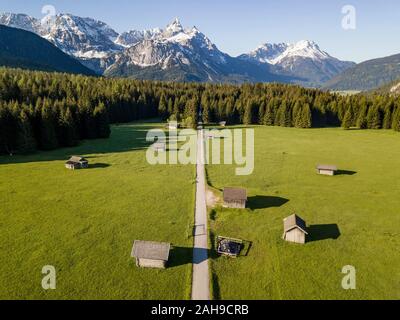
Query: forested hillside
[
  {"x": 367, "y": 75},
  {"x": 23, "y": 49},
  {"x": 44, "y": 111}
]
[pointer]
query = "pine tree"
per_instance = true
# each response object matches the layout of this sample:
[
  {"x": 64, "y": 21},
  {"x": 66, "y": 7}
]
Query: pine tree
[
  {"x": 100, "y": 115},
  {"x": 171, "y": 107},
  {"x": 206, "y": 113},
  {"x": 387, "y": 119},
  {"x": 48, "y": 137},
  {"x": 163, "y": 107},
  {"x": 68, "y": 136},
  {"x": 269, "y": 115},
  {"x": 26, "y": 142},
  {"x": 298, "y": 115},
  {"x": 306, "y": 118},
  {"x": 374, "y": 118},
  {"x": 362, "y": 117},
  {"x": 396, "y": 120},
  {"x": 347, "y": 119},
  {"x": 247, "y": 117},
  {"x": 8, "y": 130}
]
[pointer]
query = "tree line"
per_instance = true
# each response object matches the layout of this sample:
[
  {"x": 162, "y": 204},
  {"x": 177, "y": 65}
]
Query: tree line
[{"x": 40, "y": 110}]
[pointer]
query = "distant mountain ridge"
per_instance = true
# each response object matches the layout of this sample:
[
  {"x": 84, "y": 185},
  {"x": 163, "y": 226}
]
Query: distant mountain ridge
[
  {"x": 368, "y": 75},
  {"x": 24, "y": 49},
  {"x": 303, "y": 59},
  {"x": 178, "y": 54}
]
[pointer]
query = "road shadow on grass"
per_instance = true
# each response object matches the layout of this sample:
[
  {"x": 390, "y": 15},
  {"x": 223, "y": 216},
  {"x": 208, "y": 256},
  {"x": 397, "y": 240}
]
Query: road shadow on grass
[
  {"x": 345, "y": 173},
  {"x": 264, "y": 202},
  {"x": 215, "y": 286},
  {"x": 323, "y": 232}
]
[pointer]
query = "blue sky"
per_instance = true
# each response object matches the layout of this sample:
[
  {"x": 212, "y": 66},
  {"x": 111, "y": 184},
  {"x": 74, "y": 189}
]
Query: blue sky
[{"x": 240, "y": 26}]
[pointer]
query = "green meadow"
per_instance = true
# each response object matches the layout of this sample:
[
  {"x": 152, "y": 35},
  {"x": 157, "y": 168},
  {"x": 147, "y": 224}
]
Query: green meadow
[
  {"x": 353, "y": 218},
  {"x": 84, "y": 222}
]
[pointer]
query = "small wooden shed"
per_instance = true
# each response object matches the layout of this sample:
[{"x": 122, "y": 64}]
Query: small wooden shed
[
  {"x": 159, "y": 146},
  {"x": 150, "y": 254},
  {"x": 77, "y": 162},
  {"x": 235, "y": 198},
  {"x": 294, "y": 229},
  {"x": 327, "y": 170}
]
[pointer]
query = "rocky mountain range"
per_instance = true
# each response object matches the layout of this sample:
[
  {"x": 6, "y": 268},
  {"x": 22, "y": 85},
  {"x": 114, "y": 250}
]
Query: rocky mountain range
[
  {"x": 178, "y": 54},
  {"x": 303, "y": 59}
]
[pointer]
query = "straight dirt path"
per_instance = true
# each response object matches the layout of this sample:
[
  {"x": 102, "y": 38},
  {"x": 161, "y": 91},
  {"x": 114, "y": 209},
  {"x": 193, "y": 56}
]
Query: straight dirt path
[{"x": 201, "y": 277}]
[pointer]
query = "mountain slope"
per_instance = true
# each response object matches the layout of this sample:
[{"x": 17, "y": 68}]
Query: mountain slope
[
  {"x": 24, "y": 49},
  {"x": 303, "y": 59},
  {"x": 20, "y": 21},
  {"x": 392, "y": 88},
  {"x": 89, "y": 40},
  {"x": 368, "y": 75}
]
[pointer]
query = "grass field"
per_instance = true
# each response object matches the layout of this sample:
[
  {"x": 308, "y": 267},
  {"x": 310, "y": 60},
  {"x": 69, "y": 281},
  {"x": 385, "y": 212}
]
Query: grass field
[
  {"x": 84, "y": 222},
  {"x": 353, "y": 218}
]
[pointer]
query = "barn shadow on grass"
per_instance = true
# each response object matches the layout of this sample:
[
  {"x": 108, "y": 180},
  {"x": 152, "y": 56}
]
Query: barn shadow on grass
[
  {"x": 323, "y": 232},
  {"x": 346, "y": 173},
  {"x": 264, "y": 202},
  {"x": 180, "y": 256},
  {"x": 98, "y": 166}
]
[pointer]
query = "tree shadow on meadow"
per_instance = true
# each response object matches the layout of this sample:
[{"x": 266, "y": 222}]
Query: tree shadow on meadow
[
  {"x": 124, "y": 138},
  {"x": 264, "y": 202}
]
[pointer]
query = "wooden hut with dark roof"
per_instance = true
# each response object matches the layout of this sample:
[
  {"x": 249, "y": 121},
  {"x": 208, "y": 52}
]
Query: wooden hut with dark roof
[
  {"x": 150, "y": 254},
  {"x": 77, "y": 162},
  {"x": 294, "y": 229},
  {"x": 235, "y": 198},
  {"x": 327, "y": 170}
]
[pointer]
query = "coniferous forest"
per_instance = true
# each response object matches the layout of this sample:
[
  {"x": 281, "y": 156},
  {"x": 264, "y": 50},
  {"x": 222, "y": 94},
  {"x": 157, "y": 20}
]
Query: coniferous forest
[{"x": 44, "y": 111}]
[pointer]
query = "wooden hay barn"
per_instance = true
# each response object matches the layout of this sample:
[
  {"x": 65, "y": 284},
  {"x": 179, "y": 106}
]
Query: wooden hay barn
[
  {"x": 76, "y": 162},
  {"x": 150, "y": 254},
  {"x": 295, "y": 229},
  {"x": 327, "y": 170},
  {"x": 235, "y": 198}
]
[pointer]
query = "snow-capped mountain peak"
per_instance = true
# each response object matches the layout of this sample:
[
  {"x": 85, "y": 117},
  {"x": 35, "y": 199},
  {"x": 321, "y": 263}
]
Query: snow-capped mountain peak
[
  {"x": 276, "y": 53},
  {"x": 303, "y": 59},
  {"x": 267, "y": 52},
  {"x": 173, "y": 28},
  {"x": 20, "y": 21},
  {"x": 81, "y": 37},
  {"x": 302, "y": 49}
]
